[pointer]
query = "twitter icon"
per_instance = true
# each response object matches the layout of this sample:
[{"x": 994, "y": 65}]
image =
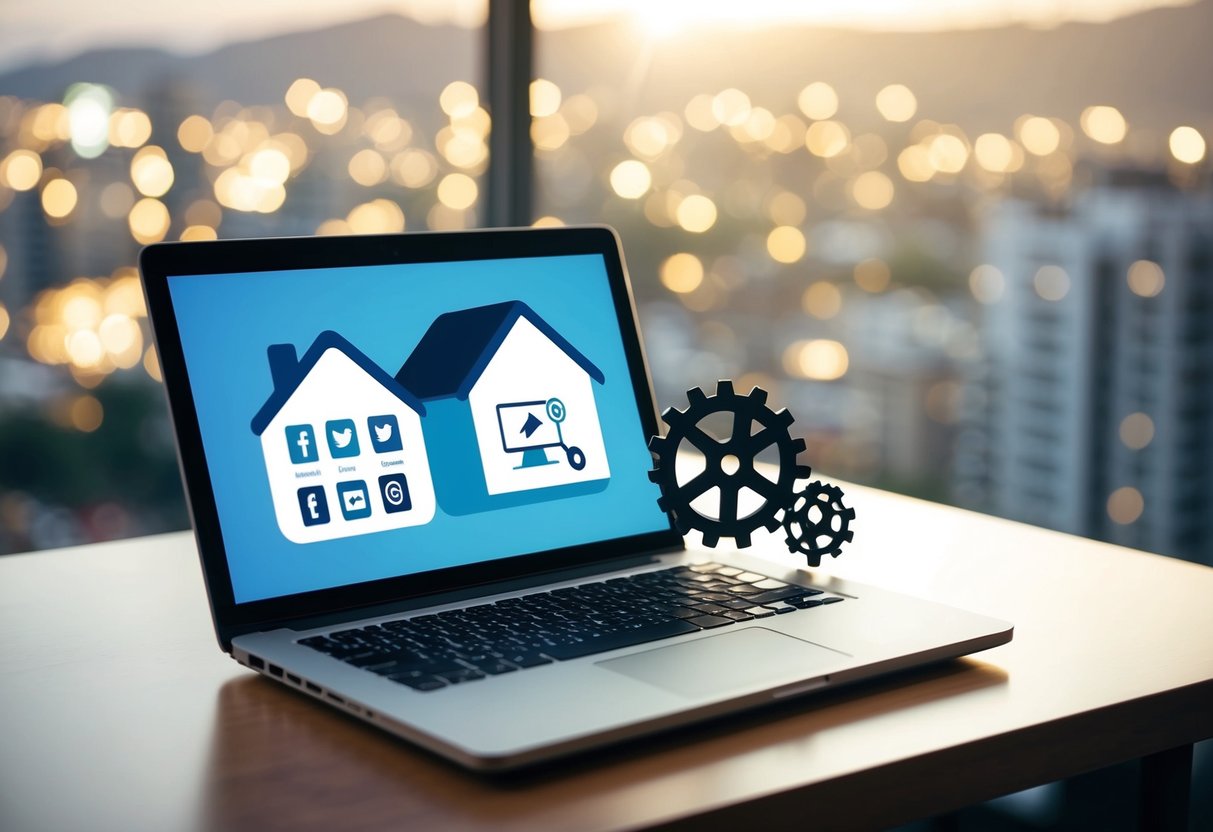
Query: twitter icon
[
  {"x": 343, "y": 439},
  {"x": 385, "y": 433}
]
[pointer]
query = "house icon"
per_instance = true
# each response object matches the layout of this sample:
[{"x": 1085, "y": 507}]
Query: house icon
[
  {"x": 342, "y": 443},
  {"x": 510, "y": 406}
]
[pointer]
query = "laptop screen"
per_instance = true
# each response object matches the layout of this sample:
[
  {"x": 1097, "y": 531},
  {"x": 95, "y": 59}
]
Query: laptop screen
[{"x": 373, "y": 422}]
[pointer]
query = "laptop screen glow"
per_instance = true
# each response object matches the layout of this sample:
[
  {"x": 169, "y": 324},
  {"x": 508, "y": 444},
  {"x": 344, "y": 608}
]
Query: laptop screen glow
[{"x": 372, "y": 422}]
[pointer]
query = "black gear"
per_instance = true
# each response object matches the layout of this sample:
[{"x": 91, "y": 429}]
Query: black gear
[
  {"x": 804, "y": 532},
  {"x": 741, "y": 446}
]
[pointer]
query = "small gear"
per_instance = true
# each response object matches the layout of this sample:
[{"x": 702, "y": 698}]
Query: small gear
[
  {"x": 833, "y": 522},
  {"x": 729, "y": 464}
]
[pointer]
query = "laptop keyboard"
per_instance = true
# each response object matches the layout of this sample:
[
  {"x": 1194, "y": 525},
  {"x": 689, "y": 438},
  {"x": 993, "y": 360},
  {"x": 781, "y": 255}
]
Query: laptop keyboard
[{"x": 431, "y": 652}]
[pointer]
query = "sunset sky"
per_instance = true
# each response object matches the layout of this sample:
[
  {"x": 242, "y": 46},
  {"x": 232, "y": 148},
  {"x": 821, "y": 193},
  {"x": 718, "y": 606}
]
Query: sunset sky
[{"x": 49, "y": 31}]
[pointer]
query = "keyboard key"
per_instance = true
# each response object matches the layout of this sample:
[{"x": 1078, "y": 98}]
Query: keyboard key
[
  {"x": 750, "y": 577},
  {"x": 736, "y": 615},
  {"x": 495, "y": 668},
  {"x": 423, "y": 683},
  {"x": 770, "y": 583},
  {"x": 707, "y": 622},
  {"x": 833, "y": 599},
  {"x": 705, "y": 567},
  {"x": 455, "y": 677},
  {"x": 626, "y": 638},
  {"x": 525, "y": 660},
  {"x": 778, "y": 595},
  {"x": 760, "y": 612}
]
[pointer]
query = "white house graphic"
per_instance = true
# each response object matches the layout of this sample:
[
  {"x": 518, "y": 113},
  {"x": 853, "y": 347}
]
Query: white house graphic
[
  {"x": 343, "y": 445},
  {"x": 510, "y": 409}
]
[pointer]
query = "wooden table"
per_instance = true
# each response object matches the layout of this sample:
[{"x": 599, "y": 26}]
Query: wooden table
[{"x": 120, "y": 713}]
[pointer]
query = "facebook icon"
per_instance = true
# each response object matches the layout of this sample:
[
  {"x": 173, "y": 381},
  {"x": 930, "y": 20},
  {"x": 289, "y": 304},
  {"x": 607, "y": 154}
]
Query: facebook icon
[
  {"x": 301, "y": 442},
  {"x": 313, "y": 506}
]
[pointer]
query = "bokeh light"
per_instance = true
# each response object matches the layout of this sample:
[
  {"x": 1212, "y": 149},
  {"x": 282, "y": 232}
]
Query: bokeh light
[
  {"x": 59, "y": 198},
  {"x": 1187, "y": 145},
  {"x": 148, "y": 221},
  {"x": 631, "y": 179},
  {"x": 896, "y": 103},
  {"x": 1103, "y": 124},
  {"x": 545, "y": 98},
  {"x": 818, "y": 359},
  {"x": 151, "y": 171},
  {"x": 1146, "y": 278},
  {"x": 458, "y": 191},
  {"x": 786, "y": 244},
  {"x": 822, "y": 300},
  {"x": 818, "y": 101},
  {"x": 872, "y": 275},
  {"x": 1125, "y": 505},
  {"x": 1051, "y": 282},
  {"x": 1039, "y": 135},
  {"x": 987, "y": 284},
  {"x": 682, "y": 273},
  {"x": 872, "y": 190},
  {"x": 696, "y": 213},
  {"x": 1136, "y": 431}
]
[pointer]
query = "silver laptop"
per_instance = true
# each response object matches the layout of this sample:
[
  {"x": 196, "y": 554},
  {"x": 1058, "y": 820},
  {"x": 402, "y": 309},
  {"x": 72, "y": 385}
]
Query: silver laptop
[{"x": 418, "y": 473}]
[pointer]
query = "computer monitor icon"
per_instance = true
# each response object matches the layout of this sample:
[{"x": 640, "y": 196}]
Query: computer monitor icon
[{"x": 530, "y": 428}]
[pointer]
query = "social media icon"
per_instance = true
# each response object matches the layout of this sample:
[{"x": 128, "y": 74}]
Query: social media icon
[
  {"x": 394, "y": 489},
  {"x": 343, "y": 439},
  {"x": 354, "y": 499},
  {"x": 313, "y": 506},
  {"x": 385, "y": 433},
  {"x": 301, "y": 442}
]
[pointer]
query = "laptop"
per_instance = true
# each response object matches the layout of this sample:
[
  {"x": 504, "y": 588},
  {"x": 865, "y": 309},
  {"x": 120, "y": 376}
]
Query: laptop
[{"x": 417, "y": 468}]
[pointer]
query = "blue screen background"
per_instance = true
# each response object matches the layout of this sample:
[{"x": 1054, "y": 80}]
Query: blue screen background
[{"x": 226, "y": 322}]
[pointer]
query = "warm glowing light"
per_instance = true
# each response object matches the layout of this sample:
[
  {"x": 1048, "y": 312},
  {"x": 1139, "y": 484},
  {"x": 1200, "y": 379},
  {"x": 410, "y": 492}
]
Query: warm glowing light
[
  {"x": 379, "y": 216},
  {"x": 872, "y": 190},
  {"x": 1039, "y": 135},
  {"x": 914, "y": 163},
  {"x": 872, "y": 275},
  {"x": 827, "y": 138},
  {"x": 88, "y": 111},
  {"x": 151, "y": 171},
  {"x": 1103, "y": 124},
  {"x": 129, "y": 128},
  {"x": 194, "y": 233},
  {"x": 818, "y": 101},
  {"x": 731, "y": 107},
  {"x": 414, "y": 168},
  {"x": 151, "y": 363},
  {"x": 1137, "y": 431},
  {"x": 1051, "y": 282},
  {"x": 987, "y": 284},
  {"x": 1146, "y": 278},
  {"x": 786, "y": 244},
  {"x": 367, "y": 168},
  {"x": 203, "y": 212},
  {"x": 700, "y": 113},
  {"x": 994, "y": 152},
  {"x": 59, "y": 198},
  {"x": 148, "y": 221},
  {"x": 631, "y": 179},
  {"x": 1125, "y": 505},
  {"x": 545, "y": 98},
  {"x": 21, "y": 170},
  {"x": 696, "y": 213},
  {"x": 682, "y": 273},
  {"x": 85, "y": 413},
  {"x": 947, "y": 153},
  {"x": 299, "y": 94},
  {"x": 51, "y": 123},
  {"x": 896, "y": 103},
  {"x": 458, "y": 99},
  {"x": 549, "y": 132},
  {"x": 548, "y": 221},
  {"x": 84, "y": 348},
  {"x": 822, "y": 300},
  {"x": 194, "y": 133},
  {"x": 1187, "y": 145},
  {"x": 648, "y": 137},
  {"x": 269, "y": 164},
  {"x": 786, "y": 208},
  {"x": 3, "y": 260},
  {"x": 387, "y": 129},
  {"x": 458, "y": 191},
  {"x": 4, "y": 321},
  {"x": 328, "y": 110},
  {"x": 819, "y": 359}
]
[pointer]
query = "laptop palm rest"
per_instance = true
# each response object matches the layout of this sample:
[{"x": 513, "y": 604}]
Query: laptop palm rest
[{"x": 730, "y": 661}]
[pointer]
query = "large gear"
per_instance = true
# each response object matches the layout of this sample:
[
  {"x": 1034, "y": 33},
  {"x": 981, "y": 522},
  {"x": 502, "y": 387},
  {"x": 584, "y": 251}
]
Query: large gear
[
  {"x": 729, "y": 464},
  {"x": 806, "y": 531}
]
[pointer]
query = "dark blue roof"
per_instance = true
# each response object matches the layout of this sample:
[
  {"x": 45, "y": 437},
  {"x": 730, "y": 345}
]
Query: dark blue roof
[
  {"x": 325, "y": 341},
  {"x": 458, "y": 346}
]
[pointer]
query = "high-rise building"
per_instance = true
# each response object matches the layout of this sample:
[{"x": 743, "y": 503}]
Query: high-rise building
[{"x": 1092, "y": 411}]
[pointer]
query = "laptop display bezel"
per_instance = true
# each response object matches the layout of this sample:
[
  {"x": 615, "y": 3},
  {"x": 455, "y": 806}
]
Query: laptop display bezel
[{"x": 161, "y": 262}]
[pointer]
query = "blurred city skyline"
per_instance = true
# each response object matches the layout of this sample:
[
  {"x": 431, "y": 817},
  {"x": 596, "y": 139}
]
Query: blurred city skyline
[{"x": 36, "y": 34}]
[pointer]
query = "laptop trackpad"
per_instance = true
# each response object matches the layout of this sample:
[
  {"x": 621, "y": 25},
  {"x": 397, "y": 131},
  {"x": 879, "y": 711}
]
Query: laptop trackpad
[{"x": 729, "y": 661}]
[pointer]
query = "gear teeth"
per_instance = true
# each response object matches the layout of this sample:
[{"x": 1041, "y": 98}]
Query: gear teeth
[
  {"x": 803, "y": 471},
  {"x": 657, "y": 444},
  {"x": 849, "y": 514},
  {"x": 696, "y": 396},
  {"x": 663, "y": 503},
  {"x": 848, "y": 537},
  {"x": 798, "y": 445},
  {"x": 655, "y": 476},
  {"x": 672, "y": 416},
  {"x": 814, "y": 560},
  {"x": 680, "y": 524},
  {"x": 724, "y": 387},
  {"x": 772, "y": 524},
  {"x": 710, "y": 540},
  {"x": 758, "y": 396},
  {"x": 742, "y": 539},
  {"x": 784, "y": 418}
]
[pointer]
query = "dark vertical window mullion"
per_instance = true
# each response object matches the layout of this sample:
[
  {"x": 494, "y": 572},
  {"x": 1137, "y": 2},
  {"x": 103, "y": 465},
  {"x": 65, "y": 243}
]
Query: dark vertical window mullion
[{"x": 508, "y": 64}]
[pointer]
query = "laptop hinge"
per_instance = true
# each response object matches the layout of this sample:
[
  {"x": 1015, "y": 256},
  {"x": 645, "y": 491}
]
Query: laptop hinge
[{"x": 465, "y": 593}]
